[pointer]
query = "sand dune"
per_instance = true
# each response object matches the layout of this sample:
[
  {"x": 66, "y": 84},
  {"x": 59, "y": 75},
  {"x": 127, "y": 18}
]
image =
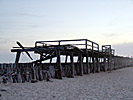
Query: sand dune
[{"x": 117, "y": 85}]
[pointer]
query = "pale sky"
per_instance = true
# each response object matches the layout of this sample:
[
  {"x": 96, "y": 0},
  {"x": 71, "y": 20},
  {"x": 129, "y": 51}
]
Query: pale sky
[{"x": 102, "y": 21}]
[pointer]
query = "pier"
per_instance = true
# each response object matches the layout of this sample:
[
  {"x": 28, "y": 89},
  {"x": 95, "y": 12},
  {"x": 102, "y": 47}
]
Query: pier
[{"x": 62, "y": 58}]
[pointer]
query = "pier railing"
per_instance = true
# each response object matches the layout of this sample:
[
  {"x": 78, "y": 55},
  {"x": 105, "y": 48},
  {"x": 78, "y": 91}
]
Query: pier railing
[{"x": 80, "y": 43}]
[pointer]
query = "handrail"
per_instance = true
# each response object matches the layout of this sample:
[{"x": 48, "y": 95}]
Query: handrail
[
  {"x": 86, "y": 44},
  {"x": 108, "y": 49}
]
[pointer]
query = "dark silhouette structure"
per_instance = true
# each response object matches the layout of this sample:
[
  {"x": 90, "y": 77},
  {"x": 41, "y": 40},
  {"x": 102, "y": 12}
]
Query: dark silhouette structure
[{"x": 81, "y": 56}]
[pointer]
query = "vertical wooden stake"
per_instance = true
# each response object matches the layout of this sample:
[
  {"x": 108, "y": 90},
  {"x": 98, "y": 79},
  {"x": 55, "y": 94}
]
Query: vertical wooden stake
[
  {"x": 98, "y": 66},
  {"x": 72, "y": 64},
  {"x": 19, "y": 79},
  {"x": 110, "y": 61},
  {"x": 16, "y": 65},
  {"x": 87, "y": 55},
  {"x": 66, "y": 59},
  {"x": 87, "y": 65},
  {"x": 59, "y": 72},
  {"x": 81, "y": 64},
  {"x": 17, "y": 57},
  {"x": 93, "y": 62},
  {"x": 105, "y": 63}
]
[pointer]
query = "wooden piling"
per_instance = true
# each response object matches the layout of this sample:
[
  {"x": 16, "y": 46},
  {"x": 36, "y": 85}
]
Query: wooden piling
[
  {"x": 81, "y": 64},
  {"x": 72, "y": 65},
  {"x": 59, "y": 67},
  {"x": 87, "y": 56}
]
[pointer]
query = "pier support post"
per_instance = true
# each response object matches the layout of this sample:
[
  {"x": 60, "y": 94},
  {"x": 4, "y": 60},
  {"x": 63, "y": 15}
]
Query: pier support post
[
  {"x": 114, "y": 63},
  {"x": 110, "y": 61},
  {"x": 17, "y": 57},
  {"x": 66, "y": 59},
  {"x": 19, "y": 80},
  {"x": 87, "y": 55},
  {"x": 105, "y": 65},
  {"x": 81, "y": 64},
  {"x": 72, "y": 65},
  {"x": 98, "y": 66},
  {"x": 94, "y": 64},
  {"x": 87, "y": 64},
  {"x": 91, "y": 65},
  {"x": 59, "y": 67}
]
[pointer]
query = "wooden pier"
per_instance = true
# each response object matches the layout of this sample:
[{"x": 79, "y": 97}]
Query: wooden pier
[{"x": 62, "y": 58}]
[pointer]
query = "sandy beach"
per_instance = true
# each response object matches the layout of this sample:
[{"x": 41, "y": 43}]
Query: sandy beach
[{"x": 117, "y": 85}]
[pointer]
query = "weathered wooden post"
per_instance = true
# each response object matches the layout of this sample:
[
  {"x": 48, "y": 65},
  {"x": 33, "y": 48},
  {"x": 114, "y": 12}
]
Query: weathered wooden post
[
  {"x": 104, "y": 51},
  {"x": 101, "y": 64},
  {"x": 87, "y": 61},
  {"x": 97, "y": 59},
  {"x": 59, "y": 67},
  {"x": 98, "y": 66},
  {"x": 114, "y": 63},
  {"x": 77, "y": 67},
  {"x": 41, "y": 75},
  {"x": 9, "y": 73},
  {"x": 65, "y": 66},
  {"x": 19, "y": 78},
  {"x": 72, "y": 65},
  {"x": 17, "y": 66},
  {"x": 66, "y": 59},
  {"x": 93, "y": 59},
  {"x": 110, "y": 59},
  {"x": 50, "y": 60},
  {"x": 17, "y": 57},
  {"x": 81, "y": 63},
  {"x": 34, "y": 72},
  {"x": 91, "y": 65}
]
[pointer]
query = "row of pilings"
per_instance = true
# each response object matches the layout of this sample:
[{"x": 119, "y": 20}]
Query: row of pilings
[{"x": 29, "y": 72}]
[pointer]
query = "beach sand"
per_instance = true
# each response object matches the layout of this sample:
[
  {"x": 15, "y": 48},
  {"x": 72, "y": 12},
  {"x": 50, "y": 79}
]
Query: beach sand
[{"x": 117, "y": 85}]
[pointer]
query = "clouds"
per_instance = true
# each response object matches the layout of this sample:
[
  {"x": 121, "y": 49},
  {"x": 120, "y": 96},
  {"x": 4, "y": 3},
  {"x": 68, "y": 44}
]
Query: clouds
[
  {"x": 111, "y": 34},
  {"x": 28, "y": 14},
  {"x": 105, "y": 22},
  {"x": 4, "y": 41},
  {"x": 125, "y": 49}
]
